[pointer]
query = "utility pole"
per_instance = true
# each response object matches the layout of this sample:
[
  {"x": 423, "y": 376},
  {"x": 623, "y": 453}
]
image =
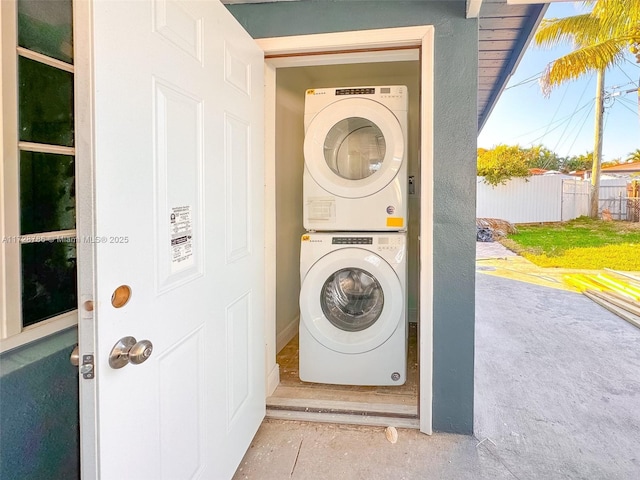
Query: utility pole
[{"x": 597, "y": 150}]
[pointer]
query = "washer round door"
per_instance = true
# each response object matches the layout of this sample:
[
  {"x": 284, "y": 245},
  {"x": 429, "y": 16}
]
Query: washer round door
[
  {"x": 354, "y": 147},
  {"x": 351, "y": 300}
]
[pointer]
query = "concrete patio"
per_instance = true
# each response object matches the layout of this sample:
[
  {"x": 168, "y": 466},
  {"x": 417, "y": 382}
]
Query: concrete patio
[{"x": 557, "y": 396}]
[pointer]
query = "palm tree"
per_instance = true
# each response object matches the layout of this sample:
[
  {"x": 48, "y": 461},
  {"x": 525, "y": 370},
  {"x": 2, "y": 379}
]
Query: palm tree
[
  {"x": 600, "y": 39},
  {"x": 633, "y": 156}
]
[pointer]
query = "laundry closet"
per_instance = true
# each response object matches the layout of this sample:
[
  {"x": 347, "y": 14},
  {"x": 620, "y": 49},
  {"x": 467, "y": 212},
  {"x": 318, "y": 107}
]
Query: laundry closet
[{"x": 292, "y": 395}]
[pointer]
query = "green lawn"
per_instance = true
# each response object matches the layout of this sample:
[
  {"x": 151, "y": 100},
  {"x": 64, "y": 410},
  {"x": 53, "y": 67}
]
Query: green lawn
[{"x": 580, "y": 243}]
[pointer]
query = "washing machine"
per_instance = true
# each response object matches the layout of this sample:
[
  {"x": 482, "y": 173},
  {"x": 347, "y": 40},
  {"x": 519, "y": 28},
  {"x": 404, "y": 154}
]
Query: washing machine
[
  {"x": 355, "y": 159},
  {"x": 353, "y": 323}
]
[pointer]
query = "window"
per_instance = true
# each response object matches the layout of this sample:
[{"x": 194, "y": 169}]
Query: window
[{"x": 38, "y": 290}]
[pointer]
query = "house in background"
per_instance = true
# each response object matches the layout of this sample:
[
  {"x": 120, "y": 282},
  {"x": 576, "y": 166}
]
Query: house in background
[
  {"x": 477, "y": 46},
  {"x": 622, "y": 170},
  {"x": 628, "y": 170}
]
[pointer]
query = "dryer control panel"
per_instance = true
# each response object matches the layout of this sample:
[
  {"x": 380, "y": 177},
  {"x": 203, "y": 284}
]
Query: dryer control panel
[
  {"x": 358, "y": 91},
  {"x": 352, "y": 241},
  {"x": 394, "y": 97}
]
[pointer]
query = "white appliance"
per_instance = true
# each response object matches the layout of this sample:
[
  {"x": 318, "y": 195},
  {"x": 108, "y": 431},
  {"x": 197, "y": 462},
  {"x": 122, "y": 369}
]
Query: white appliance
[
  {"x": 353, "y": 326},
  {"x": 355, "y": 159}
]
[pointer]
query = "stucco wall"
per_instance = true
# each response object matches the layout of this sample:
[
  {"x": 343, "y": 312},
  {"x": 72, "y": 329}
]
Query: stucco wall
[
  {"x": 39, "y": 411},
  {"x": 455, "y": 112}
]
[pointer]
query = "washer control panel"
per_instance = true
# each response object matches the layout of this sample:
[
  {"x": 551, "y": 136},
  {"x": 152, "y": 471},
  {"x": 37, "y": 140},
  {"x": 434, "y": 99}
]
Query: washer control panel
[{"x": 389, "y": 243}]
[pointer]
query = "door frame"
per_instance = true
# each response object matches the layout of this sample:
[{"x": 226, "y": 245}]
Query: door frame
[
  {"x": 85, "y": 227},
  {"x": 390, "y": 44}
]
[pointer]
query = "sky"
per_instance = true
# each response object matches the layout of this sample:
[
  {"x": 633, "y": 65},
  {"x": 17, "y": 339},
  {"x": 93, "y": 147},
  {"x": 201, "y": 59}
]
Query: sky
[{"x": 564, "y": 122}]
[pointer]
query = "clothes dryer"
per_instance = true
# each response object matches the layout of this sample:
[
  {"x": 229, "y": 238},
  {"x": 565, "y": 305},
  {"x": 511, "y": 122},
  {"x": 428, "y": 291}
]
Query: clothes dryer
[
  {"x": 353, "y": 323},
  {"x": 355, "y": 159}
]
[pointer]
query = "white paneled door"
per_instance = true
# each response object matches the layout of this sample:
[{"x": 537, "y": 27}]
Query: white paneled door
[{"x": 170, "y": 147}]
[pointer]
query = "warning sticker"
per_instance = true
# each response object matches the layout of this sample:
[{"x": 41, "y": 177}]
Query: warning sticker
[
  {"x": 181, "y": 234},
  {"x": 395, "y": 222}
]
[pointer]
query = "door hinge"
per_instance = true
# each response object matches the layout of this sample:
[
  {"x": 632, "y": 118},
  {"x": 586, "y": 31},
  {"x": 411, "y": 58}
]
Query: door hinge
[{"x": 87, "y": 369}]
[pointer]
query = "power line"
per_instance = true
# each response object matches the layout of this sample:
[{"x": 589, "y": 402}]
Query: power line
[
  {"x": 564, "y": 94},
  {"x": 631, "y": 63},
  {"x": 587, "y": 84},
  {"x": 625, "y": 100},
  {"x": 581, "y": 127},
  {"x": 622, "y": 102},
  {"x": 618, "y": 87},
  {"x": 530, "y": 79},
  {"x": 568, "y": 120},
  {"x": 625, "y": 74},
  {"x": 560, "y": 121}
]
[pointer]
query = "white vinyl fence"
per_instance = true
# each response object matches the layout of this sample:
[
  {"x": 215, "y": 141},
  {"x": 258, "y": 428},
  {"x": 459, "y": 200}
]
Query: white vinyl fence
[
  {"x": 613, "y": 197},
  {"x": 575, "y": 198},
  {"x": 547, "y": 198}
]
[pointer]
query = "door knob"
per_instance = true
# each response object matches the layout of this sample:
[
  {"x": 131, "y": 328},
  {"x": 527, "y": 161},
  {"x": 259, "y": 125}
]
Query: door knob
[
  {"x": 140, "y": 352},
  {"x": 129, "y": 350}
]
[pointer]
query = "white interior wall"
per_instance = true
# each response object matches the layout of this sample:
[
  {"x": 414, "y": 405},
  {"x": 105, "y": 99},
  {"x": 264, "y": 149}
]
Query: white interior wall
[
  {"x": 289, "y": 168},
  {"x": 290, "y": 93}
]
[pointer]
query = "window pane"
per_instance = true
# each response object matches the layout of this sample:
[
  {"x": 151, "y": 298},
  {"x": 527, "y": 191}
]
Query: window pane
[
  {"x": 48, "y": 280},
  {"x": 45, "y": 27},
  {"x": 45, "y": 103},
  {"x": 47, "y": 192}
]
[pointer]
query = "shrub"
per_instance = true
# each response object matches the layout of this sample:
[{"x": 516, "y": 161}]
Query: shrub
[{"x": 502, "y": 163}]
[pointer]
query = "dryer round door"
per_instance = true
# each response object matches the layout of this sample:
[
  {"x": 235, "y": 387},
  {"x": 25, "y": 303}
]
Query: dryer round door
[
  {"x": 354, "y": 147},
  {"x": 351, "y": 301}
]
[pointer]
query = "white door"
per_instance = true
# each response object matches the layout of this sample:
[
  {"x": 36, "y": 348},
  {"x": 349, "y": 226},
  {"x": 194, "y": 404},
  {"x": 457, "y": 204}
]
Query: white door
[{"x": 171, "y": 199}]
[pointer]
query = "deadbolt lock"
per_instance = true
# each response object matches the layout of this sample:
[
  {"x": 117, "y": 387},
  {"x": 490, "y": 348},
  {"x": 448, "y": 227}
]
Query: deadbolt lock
[
  {"x": 75, "y": 357},
  {"x": 87, "y": 366},
  {"x": 129, "y": 350}
]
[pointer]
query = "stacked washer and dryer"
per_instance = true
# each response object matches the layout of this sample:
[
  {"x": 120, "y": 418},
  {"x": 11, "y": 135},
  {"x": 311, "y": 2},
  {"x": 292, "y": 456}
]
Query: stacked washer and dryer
[{"x": 353, "y": 260}]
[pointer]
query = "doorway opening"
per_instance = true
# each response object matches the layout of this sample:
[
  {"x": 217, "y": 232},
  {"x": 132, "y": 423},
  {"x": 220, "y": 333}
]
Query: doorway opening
[{"x": 287, "y": 79}]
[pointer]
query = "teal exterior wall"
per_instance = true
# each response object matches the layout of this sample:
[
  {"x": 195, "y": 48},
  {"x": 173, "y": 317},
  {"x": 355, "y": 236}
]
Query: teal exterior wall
[
  {"x": 39, "y": 387},
  {"x": 455, "y": 135},
  {"x": 39, "y": 436}
]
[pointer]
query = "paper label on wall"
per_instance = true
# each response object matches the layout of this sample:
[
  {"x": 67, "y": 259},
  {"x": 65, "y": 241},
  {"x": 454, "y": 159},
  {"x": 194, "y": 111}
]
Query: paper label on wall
[{"x": 181, "y": 234}]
